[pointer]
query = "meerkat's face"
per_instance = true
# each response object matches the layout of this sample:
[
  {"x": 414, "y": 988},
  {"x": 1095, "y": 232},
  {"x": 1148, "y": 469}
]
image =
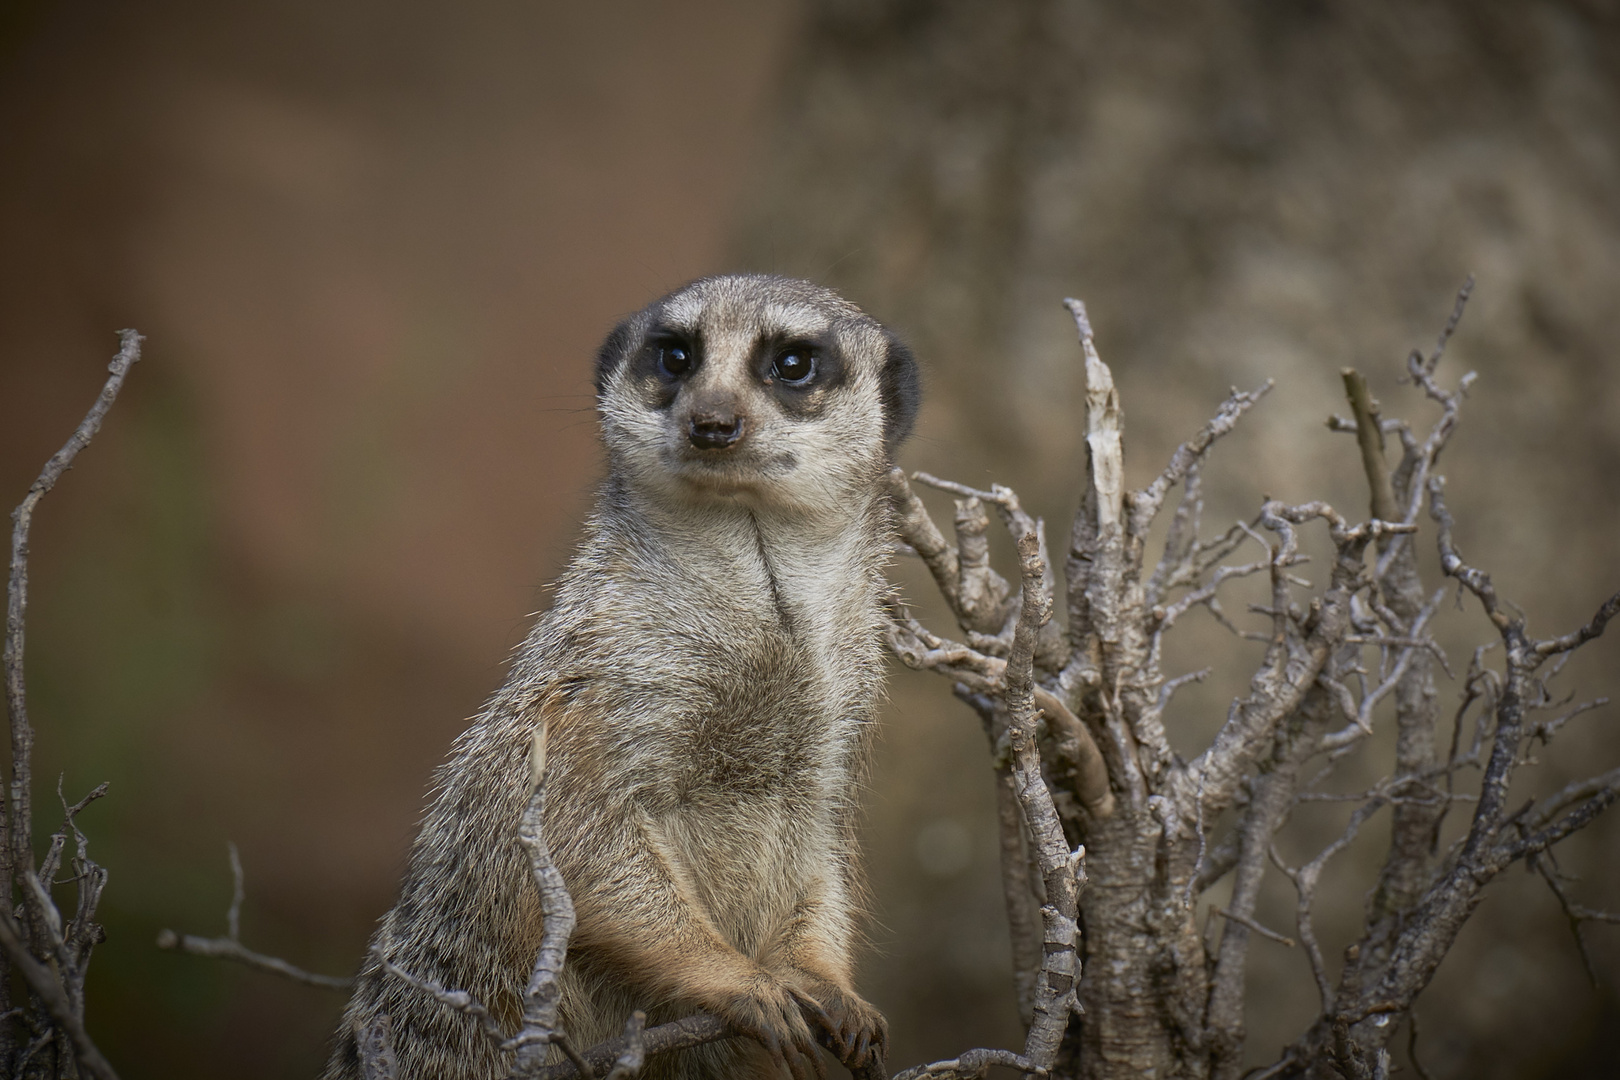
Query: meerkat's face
[{"x": 757, "y": 389}]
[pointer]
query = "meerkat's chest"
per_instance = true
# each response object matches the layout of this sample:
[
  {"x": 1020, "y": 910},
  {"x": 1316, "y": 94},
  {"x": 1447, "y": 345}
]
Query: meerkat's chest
[
  {"x": 770, "y": 721},
  {"x": 758, "y": 670}
]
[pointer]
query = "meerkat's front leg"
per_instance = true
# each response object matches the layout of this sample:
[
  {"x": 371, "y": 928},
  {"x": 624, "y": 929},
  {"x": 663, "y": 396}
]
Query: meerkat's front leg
[
  {"x": 812, "y": 953},
  {"x": 639, "y": 914}
]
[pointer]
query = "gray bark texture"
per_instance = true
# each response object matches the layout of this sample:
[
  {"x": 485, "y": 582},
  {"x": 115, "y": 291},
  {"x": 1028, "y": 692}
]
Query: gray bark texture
[{"x": 1157, "y": 998}]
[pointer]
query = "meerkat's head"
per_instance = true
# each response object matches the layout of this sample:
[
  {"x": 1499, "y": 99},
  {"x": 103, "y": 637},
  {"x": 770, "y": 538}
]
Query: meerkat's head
[{"x": 764, "y": 390}]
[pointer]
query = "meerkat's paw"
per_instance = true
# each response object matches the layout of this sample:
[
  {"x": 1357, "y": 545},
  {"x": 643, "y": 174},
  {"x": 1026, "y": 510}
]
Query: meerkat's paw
[
  {"x": 850, "y": 1026},
  {"x": 773, "y": 1013}
]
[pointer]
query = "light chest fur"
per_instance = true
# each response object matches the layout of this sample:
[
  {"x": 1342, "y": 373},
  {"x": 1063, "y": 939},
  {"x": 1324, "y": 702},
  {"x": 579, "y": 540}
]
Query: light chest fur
[{"x": 731, "y": 668}]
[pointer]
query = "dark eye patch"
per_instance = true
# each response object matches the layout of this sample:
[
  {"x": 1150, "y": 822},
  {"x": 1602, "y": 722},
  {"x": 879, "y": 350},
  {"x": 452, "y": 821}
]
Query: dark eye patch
[
  {"x": 799, "y": 372},
  {"x": 668, "y": 356}
]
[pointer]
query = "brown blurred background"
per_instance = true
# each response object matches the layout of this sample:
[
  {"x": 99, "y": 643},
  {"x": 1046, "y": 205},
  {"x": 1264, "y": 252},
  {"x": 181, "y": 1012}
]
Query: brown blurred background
[{"x": 373, "y": 246}]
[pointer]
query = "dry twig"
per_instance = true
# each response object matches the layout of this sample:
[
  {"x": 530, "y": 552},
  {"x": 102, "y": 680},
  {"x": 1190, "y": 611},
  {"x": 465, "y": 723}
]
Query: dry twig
[
  {"x": 230, "y": 946},
  {"x": 52, "y": 958}
]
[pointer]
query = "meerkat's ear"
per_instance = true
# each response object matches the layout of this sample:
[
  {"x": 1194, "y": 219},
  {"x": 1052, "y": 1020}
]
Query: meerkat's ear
[
  {"x": 619, "y": 342},
  {"x": 901, "y": 391}
]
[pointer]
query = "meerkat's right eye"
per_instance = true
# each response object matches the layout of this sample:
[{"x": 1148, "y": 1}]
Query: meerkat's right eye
[{"x": 674, "y": 361}]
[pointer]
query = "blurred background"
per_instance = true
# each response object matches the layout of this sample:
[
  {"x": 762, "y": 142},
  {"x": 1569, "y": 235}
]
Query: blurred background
[{"x": 373, "y": 245}]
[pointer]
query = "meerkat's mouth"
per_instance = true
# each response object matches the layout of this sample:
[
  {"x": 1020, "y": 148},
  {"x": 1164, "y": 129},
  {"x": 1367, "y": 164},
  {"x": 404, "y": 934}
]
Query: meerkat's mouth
[{"x": 726, "y": 472}]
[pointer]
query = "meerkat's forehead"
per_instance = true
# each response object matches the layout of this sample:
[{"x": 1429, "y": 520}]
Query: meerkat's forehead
[{"x": 750, "y": 305}]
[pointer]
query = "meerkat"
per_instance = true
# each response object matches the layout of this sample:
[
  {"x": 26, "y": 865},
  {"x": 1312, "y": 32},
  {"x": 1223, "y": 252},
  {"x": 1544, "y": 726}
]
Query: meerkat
[{"x": 708, "y": 676}]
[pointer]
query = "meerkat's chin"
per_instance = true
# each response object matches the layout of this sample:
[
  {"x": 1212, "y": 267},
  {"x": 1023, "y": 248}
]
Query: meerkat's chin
[{"x": 725, "y": 484}]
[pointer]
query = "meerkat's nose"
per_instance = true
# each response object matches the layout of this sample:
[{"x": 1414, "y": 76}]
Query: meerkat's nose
[{"x": 715, "y": 430}]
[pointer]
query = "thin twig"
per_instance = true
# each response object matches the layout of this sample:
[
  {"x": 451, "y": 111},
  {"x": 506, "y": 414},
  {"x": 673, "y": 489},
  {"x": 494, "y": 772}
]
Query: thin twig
[
  {"x": 376, "y": 1044},
  {"x": 1370, "y": 437},
  {"x": 628, "y": 1064},
  {"x": 230, "y": 946},
  {"x": 973, "y": 1065},
  {"x": 46, "y": 985},
  {"x": 224, "y": 948},
  {"x": 459, "y": 1000},
  {"x": 1060, "y": 869},
  {"x": 541, "y": 1001},
  {"x": 1263, "y": 931},
  {"x": 681, "y": 1034},
  {"x": 1017, "y": 889},
  {"x": 39, "y": 935},
  {"x": 19, "y": 816}
]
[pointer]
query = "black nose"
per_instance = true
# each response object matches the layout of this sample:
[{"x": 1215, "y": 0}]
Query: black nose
[{"x": 715, "y": 431}]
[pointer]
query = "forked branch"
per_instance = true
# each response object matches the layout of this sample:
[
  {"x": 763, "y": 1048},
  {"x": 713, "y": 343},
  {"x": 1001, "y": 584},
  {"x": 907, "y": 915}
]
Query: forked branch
[
  {"x": 230, "y": 946},
  {"x": 52, "y": 959}
]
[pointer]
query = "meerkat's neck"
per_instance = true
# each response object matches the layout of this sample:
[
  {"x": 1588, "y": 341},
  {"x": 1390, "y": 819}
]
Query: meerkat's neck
[{"x": 820, "y": 569}]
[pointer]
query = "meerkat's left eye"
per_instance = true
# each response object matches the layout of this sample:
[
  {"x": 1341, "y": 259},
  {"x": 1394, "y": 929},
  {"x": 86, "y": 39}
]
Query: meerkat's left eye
[
  {"x": 674, "y": 361},
  {"x": 795, "y": 368}
]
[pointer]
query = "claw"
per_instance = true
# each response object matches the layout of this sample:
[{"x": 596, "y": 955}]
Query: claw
[{"x": 813, "y": 1007}]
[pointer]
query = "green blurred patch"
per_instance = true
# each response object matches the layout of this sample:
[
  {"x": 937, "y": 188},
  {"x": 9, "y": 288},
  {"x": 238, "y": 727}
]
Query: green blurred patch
[
  {"x": 125, "y": 621},
  {"x": 298, "y": 640},
  {"x": 126, "y": 638}
]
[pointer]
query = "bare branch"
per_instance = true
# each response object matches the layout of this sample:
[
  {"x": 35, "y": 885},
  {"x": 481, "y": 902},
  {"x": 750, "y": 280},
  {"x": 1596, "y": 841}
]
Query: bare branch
[
  {"x": 1144, "y": 504},
  {"x": 681, "y": 1034},
  {"x": 1167, "y": 616},
  {"x": 978, "y": 596},
  {"x": 1271, "y": 795},
  {"x": 226, "y": 948},
  {"x": 459, "y": 1000},
  {"x": 1060, "y": 966},
  {"x": 1017, "y": 889},
  {"x": 1548, "y": 728},
  {"x": 628, "y": 1064},
  {"x": 1571, "y": 822},
  {"x": 1574, "y": 913},
  {"x": 1013, "y": 682},
  {"x": 1295, "y": 659},
  {"x": 1074, "y": 742},
  {"x": 921, "y": 649},
  {"x": 1475, "y": 581},
  {"x": 541, "y": 1026},
  {"x": 1576, "y": 638},
  {"x": 53, "y": 964},
  {"x": 51, "y": 994},
  {"x": 973, "y": 1065},
  {"x": 1255, "y": 926},
  {"x": 377, "y": 1060},
  {"x": 1104, "y": 427},
  {"x": 1451, "y": 325},
  {"x": 233, "y": 915},
  {"x": 1219, "y": 861},
  {"x": 1180, "y": 539},
  {"x": 1305, "y": 880},
  {"x": 230, "y": 946},
  {"x": 1370, "y": 436},
  {"x": 1573, "y": 792},
  {"x": 917, "y": 528},
  {"x": 19, "y": 816}
]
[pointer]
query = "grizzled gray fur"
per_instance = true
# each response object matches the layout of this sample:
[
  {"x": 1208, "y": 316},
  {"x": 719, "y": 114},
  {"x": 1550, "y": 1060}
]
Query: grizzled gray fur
[{"x": 708, "y": 676}]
